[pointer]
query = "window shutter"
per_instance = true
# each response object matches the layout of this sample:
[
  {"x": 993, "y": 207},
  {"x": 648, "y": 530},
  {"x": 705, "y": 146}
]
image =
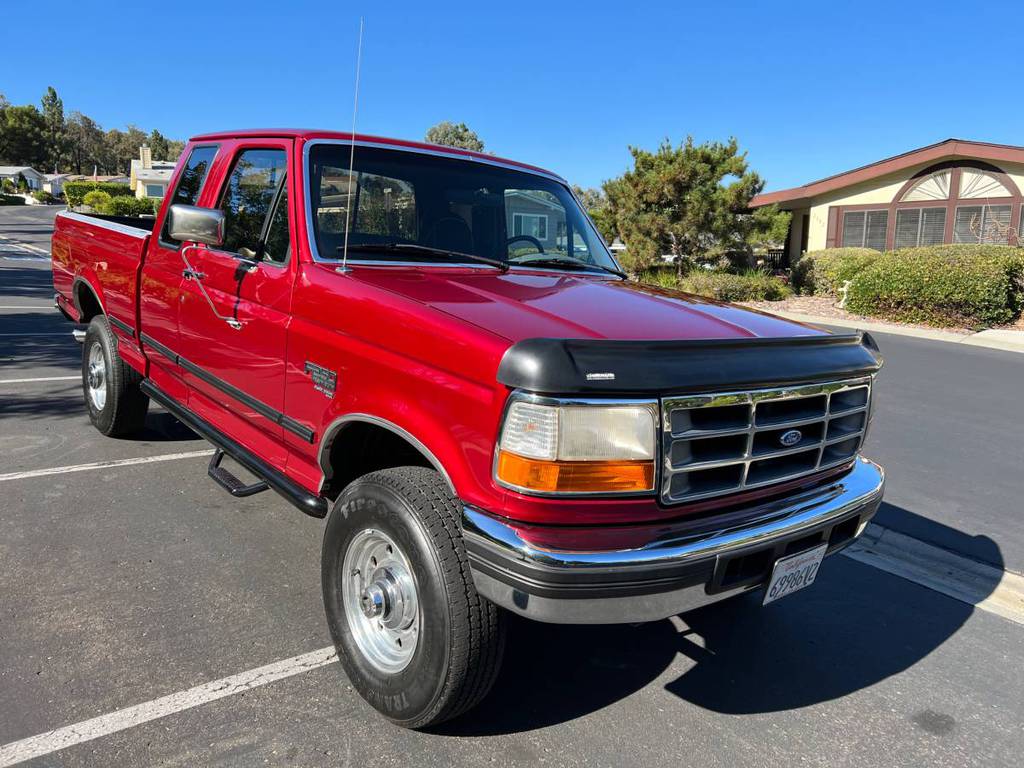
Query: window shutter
[
  {"x": 967, "y": 225},
  {"x": 933, "y": 226},
  {"x": 908, "y": 222},
  {"x": 997, "y": 225},
  {"x": 874, "y": 235},
  {"x": 853, "y": 229}
]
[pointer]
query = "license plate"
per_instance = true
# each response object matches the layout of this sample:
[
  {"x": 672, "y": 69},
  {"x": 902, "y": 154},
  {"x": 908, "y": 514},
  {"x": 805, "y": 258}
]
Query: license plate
[{"x": 793, "y": 573}]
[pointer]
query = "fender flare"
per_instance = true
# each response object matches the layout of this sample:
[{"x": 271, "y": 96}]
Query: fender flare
[
  {"x": 336, "y": 427},
  {"x": 82, "y": 281}
]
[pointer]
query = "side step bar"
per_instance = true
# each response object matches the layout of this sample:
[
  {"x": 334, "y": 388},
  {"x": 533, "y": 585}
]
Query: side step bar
[
  {"x": 310, "y": 503},
  {"x": 227, "y": 480}
]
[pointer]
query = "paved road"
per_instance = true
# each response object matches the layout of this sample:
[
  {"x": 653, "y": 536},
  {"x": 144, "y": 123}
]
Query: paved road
[{"x": 127, "y": 583}]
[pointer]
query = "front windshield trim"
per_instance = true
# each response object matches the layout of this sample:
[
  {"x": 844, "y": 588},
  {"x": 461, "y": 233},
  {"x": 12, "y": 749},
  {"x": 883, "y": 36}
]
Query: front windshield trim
[{"x": 311, "y": 231}]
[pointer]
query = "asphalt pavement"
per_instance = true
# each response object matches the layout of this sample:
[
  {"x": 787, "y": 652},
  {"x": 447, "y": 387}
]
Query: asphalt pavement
[{"x": 122, "y": 582}]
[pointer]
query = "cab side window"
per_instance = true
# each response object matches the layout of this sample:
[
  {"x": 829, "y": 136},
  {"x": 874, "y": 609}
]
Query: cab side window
[
  {"x": 255, "y": 206},
  {"x": 190, "y": 183}
]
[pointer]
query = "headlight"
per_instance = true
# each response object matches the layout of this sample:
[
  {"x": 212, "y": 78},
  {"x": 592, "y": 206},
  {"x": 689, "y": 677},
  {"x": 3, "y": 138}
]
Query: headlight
[{"x": 553, "y": 447}]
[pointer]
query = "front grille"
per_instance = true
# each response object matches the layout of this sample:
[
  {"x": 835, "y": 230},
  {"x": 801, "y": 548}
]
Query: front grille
[{"x": 722, "y": 443}]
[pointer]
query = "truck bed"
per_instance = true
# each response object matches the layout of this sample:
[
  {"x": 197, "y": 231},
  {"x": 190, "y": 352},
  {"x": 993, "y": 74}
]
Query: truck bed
[{"x": 96, "y": 265}]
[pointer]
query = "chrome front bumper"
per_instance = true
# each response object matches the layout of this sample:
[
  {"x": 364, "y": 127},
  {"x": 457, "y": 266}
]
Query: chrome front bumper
[{"x": 680, "y": 567}]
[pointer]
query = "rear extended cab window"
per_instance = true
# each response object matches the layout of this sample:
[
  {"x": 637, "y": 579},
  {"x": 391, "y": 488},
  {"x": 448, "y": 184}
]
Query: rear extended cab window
[{"x": 190, "y": 184}]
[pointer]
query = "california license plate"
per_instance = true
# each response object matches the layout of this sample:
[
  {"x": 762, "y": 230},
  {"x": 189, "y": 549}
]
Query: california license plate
[{"x": 793, "y": 573}]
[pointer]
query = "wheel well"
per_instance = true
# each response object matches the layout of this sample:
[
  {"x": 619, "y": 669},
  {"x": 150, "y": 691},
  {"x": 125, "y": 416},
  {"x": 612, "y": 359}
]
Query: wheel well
[
  {"x": 88, "y": 305},
  {"x": 360, "y": 447}
]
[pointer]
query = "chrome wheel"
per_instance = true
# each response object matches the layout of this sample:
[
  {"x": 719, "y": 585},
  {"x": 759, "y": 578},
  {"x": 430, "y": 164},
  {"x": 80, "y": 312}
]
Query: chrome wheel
[
  {"x": 96, "y": 377},
  {"x": 379, "y": 596}
]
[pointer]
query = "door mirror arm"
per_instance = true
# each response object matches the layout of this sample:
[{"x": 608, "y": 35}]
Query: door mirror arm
[{"x": 189, "y": 273}]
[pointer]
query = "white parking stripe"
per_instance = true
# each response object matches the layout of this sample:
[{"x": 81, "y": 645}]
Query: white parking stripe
[
  {"x": 103, "y": 465},
  {"x": 41, "y": 378},
  {"x": 9, "y": 242},
  {"x": 104, "y": 725}
]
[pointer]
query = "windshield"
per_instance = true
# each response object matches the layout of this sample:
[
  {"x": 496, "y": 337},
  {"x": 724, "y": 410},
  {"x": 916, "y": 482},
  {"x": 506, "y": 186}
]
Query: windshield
[{"x": 415, "y": 207}]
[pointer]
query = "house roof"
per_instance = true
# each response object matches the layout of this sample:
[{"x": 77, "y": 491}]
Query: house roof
[
  {"x": 14, "y": 170},
  {"x": 933, "y": 152},
  {"x": 154, "y": 174}
]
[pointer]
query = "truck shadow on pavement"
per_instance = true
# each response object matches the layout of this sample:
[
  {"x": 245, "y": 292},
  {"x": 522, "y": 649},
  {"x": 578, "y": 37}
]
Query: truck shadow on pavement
[{"x": 855, "y": 627}]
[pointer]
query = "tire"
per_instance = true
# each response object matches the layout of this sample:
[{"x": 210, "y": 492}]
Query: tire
[
  {"x": 410, "y": 519},
  {"x": 117, "y": 407}
]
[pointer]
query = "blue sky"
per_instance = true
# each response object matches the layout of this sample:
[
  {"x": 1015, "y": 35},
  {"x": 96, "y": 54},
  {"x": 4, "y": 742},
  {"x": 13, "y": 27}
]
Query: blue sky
[{"x": 808, "y": 89}]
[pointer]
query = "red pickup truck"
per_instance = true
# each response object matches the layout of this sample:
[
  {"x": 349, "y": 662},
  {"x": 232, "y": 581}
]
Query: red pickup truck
[{"x": 435, "y": 348}]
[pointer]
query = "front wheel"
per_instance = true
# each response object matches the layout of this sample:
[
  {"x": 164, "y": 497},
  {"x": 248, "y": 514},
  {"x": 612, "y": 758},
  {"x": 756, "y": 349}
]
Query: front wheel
[{"x": 415, "y": 638}]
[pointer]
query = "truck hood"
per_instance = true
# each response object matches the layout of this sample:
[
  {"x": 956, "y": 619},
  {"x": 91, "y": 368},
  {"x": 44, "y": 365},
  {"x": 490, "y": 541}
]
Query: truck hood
[{"x": 523, "y": 305}]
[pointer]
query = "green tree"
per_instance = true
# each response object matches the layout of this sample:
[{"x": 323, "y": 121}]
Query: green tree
[
  {"x": 174, "y": 149},
  {"x": 690, "y": 201},
  {"x": 53, "y": 116},
  {"x": 84, "y": 142},
  {"x": 159, "y": 145},
  {"x": 455, "y": 135},
  {"x": 121, "y": 147},
  {"x": 593, "y": 199},
  {"x": 23, "y": 136},
  {"x": 21, "y": 182}
]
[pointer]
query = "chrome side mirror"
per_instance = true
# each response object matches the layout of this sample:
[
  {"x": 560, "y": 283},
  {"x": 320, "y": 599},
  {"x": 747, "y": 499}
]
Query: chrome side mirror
[{"x": 192, "y": 224}]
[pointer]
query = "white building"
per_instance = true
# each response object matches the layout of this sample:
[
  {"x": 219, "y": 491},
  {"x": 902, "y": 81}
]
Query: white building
[
  {"x": 32, "y": 176},
  {"x": 149, "y": 177},
  {"x": 54, "y": 183}
]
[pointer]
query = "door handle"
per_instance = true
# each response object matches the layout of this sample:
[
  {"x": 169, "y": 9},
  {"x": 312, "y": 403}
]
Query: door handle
[{"x": 192, "y": 274}]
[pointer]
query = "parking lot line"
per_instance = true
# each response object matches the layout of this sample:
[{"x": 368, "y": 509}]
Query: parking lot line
[
  {"x": 104, "y": 725},
  {"x": 40, "y": 378},
  {"x": 103, "y": 465}
]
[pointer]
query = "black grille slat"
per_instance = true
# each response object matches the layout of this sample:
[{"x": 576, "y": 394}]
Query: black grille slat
[{"x": 721, "y": 443}]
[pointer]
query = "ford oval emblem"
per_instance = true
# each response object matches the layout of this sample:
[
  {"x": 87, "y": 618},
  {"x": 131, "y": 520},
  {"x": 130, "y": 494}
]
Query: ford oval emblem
[{"x": 791, "y": 437}]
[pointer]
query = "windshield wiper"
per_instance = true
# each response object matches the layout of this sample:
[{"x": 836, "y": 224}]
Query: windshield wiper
[
  {"x": 426, "y": 250},
  {"x": 567, "y": 261}
]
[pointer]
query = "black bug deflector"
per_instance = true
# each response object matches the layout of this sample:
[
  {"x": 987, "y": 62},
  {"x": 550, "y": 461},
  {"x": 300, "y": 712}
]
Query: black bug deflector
[{"x": 607, "y": 367}]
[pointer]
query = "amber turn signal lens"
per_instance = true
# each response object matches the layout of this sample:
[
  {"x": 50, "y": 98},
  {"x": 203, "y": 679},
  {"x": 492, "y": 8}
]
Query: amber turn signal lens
[{"x": 575, "y": 476}]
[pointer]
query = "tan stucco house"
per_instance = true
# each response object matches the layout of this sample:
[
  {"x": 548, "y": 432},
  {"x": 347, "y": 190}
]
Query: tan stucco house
[
  {"x": 955, "y": 191},
  {"x": 148, "y": 177}
]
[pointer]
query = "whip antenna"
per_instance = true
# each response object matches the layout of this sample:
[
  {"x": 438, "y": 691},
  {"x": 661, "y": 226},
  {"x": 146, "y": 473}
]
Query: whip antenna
[{"x": 352, "y": 150}]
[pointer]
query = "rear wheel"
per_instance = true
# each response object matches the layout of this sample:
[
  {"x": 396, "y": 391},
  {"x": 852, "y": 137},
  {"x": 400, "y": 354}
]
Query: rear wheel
[
  {"x": 415, "y": 638},
  {"x": 116, "y": 405}
]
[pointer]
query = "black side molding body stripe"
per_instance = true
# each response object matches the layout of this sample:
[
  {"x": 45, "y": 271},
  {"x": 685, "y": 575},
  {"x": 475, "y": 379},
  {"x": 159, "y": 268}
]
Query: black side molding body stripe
[
  {"x": 612, "y": 367},
  {"x": 308, "y": 502},
  {"x": 122, "y": 325},
  {"x": 272, "y": 414}
]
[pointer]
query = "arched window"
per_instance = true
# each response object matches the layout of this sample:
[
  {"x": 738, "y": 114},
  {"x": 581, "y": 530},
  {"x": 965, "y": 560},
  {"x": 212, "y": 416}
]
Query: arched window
[{"x": 934, "y": 186}]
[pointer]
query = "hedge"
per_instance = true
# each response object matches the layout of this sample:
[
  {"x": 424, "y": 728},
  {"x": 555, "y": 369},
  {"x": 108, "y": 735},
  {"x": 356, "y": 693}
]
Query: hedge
[
  {"x": 946, "y": 285},
  {"x": 74, "y": 191},
  {"x": 97, "y": 199},
  {"x": 11, "y": 200},
  {"x": 824, "y": 272},
  {"x": 43, "y": 196},
  {"x": 131, "y": 206},
  {"x": 752, "y": 285}
]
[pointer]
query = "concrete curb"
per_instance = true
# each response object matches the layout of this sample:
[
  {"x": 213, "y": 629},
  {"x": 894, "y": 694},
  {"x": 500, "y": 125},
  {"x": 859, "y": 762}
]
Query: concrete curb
[
  {"x": 979, "y": 584},
  {"x": 1006, "y": 340}
]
